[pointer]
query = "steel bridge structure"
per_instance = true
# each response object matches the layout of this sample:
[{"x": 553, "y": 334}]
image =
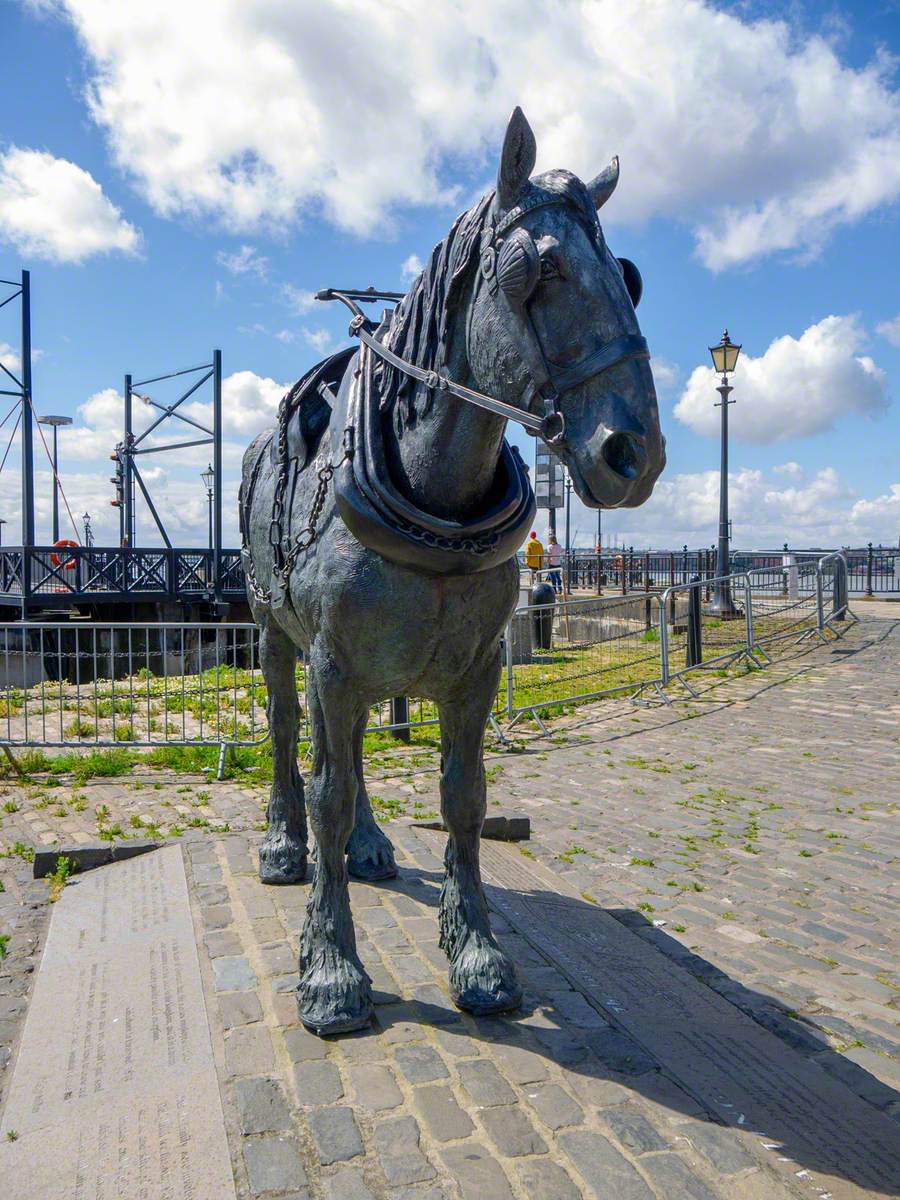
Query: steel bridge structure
[{"x": 35, "y": 577}]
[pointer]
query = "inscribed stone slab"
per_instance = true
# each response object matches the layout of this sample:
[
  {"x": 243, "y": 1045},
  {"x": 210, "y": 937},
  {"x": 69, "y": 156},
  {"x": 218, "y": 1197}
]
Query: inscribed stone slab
[{"x": 115, "y": 1095}]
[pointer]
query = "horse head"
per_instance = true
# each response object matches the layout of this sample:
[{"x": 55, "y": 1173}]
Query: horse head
[{"x": 552, "y": 327}]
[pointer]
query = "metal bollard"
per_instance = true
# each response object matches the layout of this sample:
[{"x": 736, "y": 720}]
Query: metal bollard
[
  {"x": 543, "y": 595},
  {"x": 400, "y": 716},
  {"x": 869, "y": 556}
]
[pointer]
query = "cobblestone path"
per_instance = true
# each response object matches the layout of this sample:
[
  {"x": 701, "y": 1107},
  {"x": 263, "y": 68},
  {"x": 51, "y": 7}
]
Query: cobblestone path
[{"x": 750, "y": 836}]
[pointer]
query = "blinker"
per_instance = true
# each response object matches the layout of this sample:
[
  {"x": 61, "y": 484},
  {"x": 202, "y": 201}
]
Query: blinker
[{"x": 518, "y": 265}]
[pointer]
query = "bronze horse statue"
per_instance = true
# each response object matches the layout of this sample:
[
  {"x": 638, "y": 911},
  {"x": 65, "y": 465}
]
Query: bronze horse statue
[{"x": 380, "y": 523}]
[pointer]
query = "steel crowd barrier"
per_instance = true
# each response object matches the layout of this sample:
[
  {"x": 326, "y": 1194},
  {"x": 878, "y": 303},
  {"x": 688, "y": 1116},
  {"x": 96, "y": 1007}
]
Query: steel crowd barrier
[{"x": 97, "y": 684}]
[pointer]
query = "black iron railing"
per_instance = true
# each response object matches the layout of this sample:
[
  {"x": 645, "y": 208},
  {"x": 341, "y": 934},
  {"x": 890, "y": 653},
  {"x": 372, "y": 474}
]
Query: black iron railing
[{"x": 57, "y": 575}]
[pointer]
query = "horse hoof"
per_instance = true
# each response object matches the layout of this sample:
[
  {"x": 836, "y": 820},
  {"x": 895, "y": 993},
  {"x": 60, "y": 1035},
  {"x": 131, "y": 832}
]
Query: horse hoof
[
  {"x": 282, "y": 861},
  {"x": 327, "y": 1007},
  {"x": 483, "y": 980},
  {"x": 370, "y": 857}
]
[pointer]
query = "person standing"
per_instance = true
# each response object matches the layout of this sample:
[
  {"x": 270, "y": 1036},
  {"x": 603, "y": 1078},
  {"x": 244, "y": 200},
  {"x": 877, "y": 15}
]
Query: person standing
[
  {"x": 554, "y": 559},
  {"x": 534, "y": 553}
]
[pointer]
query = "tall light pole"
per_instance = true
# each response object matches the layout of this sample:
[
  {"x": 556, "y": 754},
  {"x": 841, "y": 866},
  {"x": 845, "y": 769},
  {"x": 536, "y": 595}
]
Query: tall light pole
[
  {"x": 208, "y": 476},
  {"x": 88, "y": 532},
  {"x": 2, "y": 523},
  {"x": 724, "y": 356},
  {"x": 56, "y": 422}
]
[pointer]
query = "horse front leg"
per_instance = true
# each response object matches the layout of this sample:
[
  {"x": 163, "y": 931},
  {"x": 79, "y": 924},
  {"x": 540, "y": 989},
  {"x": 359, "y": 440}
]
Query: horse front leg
[
  {"x": 482, "y": 978},
  {"x": 370, "y": 855},
  {"x": 283, "y": 853},
  {"x": 334, "y": 994}
]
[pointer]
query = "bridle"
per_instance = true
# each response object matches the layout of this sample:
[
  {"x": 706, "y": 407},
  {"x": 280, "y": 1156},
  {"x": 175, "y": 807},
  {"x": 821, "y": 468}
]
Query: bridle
[{"x": 509, "y": 265}]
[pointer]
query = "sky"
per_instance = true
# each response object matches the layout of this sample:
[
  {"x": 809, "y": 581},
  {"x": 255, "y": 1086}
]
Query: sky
[{"x": 183, "y": 177}]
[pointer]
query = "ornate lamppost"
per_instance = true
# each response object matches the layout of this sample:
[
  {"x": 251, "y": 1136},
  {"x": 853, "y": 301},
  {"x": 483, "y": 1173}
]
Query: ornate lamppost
[
  {"x": 724, "y": 356},
  {"x": 88, "y": 532},
  {"x": 208, "y": 476}
]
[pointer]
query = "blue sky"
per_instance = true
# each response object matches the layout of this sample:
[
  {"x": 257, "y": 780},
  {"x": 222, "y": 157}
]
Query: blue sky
[{"x": 205, "y": 196}]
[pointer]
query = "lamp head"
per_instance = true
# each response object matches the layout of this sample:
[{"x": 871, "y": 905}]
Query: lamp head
[{"x": 725, "y": 355}]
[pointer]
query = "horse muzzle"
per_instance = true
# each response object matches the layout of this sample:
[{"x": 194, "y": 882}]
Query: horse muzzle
[{"x": 620, "y": 472}]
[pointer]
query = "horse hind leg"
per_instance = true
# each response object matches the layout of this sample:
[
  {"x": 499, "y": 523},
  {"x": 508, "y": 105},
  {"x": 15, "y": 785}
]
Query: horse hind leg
[
  {"x": 334, "y": 994},
  {"x": 370, "y": 855},
  {"x": 482, "y": 977},
  {"x": 283, "y": 853}
]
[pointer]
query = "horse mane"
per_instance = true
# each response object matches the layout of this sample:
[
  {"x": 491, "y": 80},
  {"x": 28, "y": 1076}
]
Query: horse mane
[{"x": 419, "y": 326}]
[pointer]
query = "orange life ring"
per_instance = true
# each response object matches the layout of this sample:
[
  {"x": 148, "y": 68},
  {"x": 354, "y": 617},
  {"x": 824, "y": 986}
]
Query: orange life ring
[{"x": 69, "y": 564}]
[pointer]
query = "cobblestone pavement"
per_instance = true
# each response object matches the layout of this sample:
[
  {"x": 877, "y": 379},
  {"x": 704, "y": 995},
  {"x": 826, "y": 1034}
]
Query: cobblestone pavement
[{"x": 747, "y": 835}]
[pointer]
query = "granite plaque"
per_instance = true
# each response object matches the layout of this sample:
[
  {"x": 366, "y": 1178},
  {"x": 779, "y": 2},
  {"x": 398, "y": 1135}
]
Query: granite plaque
[{"x": 115, "y": 1094}]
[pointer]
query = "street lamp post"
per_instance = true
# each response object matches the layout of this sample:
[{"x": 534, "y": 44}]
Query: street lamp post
[
  {"x": 56, "y": 422},
  {"x": 724, "y": 356},
  {"x": 2, "y": 523},
  {"x": 88, "y": 533},
  {"x": 208, "y": 476}
]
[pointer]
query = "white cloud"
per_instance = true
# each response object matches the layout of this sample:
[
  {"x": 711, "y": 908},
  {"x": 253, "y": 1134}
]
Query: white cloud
[
  {"x": 10, "y": 358},
  {"x": 890, "y": 330},
  {"x": 250, "y": 402},
  {"x": 767, "y": 509},
  {"x": 665, "y": 374},
  {"x": 52, "y": 209},
  {"x": 754, "y": 131},
  {"x": 411, "y": 267},
  {"x": 319, "y": 339},
  {"x": 298, "y": 300},
  {"x": 799, "y": 386},
  {"x": 244, "y": 261}
]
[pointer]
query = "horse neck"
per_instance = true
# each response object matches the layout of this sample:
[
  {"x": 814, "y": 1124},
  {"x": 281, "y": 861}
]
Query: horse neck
[{"x": 445, "y": 461}]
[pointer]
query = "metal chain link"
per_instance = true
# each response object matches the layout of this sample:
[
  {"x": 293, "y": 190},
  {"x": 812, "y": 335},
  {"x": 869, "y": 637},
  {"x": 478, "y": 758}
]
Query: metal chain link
[{"x": 285, "y": 551}]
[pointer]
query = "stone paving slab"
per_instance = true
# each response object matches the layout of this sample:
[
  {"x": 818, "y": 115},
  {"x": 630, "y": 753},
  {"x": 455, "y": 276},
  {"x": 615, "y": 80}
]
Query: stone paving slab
[{"x": 114, "y": 1092}]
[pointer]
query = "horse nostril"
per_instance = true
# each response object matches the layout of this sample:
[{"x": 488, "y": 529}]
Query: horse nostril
[{"x": 624, "y": 454}]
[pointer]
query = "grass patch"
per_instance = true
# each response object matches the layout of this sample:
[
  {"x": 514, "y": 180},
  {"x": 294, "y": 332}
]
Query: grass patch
[{"x": 57, "y": 879}]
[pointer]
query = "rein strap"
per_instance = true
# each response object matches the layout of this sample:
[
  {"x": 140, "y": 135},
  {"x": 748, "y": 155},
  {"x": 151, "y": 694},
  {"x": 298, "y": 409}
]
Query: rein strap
[{"x": 563, "y": 378}]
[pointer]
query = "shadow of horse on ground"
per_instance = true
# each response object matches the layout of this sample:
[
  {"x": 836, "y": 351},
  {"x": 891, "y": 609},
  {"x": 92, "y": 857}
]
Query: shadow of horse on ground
[{"x": 767, "y": 1074}]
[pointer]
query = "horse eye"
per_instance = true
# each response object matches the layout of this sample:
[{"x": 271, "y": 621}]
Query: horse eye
[{"x": 549, "y": 270}]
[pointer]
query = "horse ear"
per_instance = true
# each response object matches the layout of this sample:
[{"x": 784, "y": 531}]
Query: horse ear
[
  {"x": 633, "y": 281},
  {"x": 604, "y": 184},
  {"x": 516, "y": 160}
]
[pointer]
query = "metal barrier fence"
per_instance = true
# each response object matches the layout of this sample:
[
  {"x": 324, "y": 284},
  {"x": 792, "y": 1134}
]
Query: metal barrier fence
[
  {"x": 871, "y": 570},
  {"x": 93, "y": 684}
]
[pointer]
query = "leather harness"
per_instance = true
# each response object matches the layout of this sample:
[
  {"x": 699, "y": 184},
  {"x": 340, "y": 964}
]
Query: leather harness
[
  {"x": 549, "y": 381},
  {"x": 368, "y": 504}
]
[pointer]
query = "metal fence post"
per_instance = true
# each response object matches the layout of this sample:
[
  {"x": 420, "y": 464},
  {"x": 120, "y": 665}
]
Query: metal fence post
[
  {"x": 663, "y": 640},
  {"x": 646, "y": 570},
  {"x": 671, "y": 569},
  {"x": 869, "y": 591},
  {"x": 509, "y": 668},
  {"x": 599, "y": 571},
  {"x": 748, "y": 611},
  {"x": 694, "y": 629},
  {"x": 820, "y": 600}
]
